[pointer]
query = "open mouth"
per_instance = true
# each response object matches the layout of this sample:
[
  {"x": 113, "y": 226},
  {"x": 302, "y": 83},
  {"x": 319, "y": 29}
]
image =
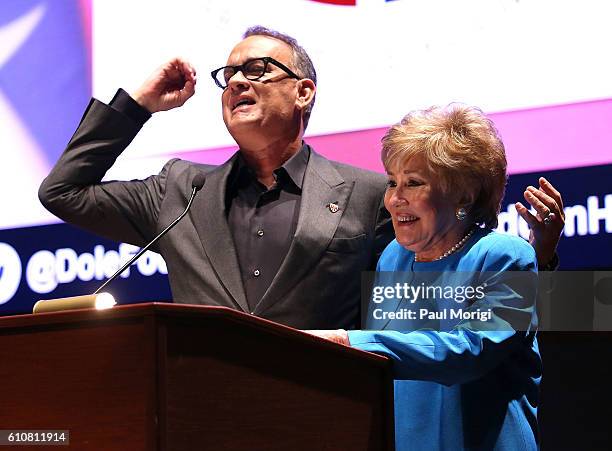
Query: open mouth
[
  {"x": 242, "y": 103},
  {"x": 406, "y": 219}
]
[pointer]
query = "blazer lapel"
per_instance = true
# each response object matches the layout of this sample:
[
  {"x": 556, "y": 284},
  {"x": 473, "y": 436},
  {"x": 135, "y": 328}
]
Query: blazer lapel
[
  {"x": 210, "y": 219},
  {"x": 317, "y": 224}
]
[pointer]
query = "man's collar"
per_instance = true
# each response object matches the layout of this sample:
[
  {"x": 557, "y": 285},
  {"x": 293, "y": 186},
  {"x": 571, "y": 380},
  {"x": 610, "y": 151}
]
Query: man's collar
[{"x": 293, "y": 169}]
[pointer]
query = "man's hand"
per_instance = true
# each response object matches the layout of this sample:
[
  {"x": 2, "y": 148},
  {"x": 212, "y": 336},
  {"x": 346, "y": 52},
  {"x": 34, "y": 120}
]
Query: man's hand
[
  {"x": 547, "y": 224},
  {"x": 339, "y": 336},
  {"x": 170, "y": 86}
]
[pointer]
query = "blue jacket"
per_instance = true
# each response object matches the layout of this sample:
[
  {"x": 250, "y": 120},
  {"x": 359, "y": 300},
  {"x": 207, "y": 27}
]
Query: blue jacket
[{"x": 466, "y": 386}]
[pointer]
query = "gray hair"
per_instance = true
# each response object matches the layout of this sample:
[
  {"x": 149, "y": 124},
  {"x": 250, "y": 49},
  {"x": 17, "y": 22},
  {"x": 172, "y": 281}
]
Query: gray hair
[{"x": 302, "y": 64}]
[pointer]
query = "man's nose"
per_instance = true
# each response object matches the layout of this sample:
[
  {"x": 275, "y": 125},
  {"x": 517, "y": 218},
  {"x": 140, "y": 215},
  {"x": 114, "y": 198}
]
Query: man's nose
[{"x": 238, "y": 81}]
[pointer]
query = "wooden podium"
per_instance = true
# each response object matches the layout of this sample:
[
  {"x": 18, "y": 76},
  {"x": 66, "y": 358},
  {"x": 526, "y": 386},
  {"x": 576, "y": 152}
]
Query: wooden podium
[{"x": 181, "y": 377}]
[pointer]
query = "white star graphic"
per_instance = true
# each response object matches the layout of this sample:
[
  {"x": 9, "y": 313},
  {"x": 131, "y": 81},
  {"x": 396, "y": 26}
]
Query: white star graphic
[
  {"x": 23, "y": 165},
  {"x": 14, "y": 34}
]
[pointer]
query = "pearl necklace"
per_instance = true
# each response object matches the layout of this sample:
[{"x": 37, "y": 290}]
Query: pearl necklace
[{"x": 452, "y": 250}]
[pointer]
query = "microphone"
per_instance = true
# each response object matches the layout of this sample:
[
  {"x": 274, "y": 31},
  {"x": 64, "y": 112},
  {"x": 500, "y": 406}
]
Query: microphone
[
  {"x": 196, "y": 185},
  {"x": 101, "y": 300}
]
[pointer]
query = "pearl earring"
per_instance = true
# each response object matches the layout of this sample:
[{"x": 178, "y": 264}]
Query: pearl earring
[{"x": 461, "y": 213}]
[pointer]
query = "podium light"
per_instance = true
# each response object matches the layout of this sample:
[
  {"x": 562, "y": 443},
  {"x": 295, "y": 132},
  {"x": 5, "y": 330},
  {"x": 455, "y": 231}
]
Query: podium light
[{"x": 99, "y": 301}]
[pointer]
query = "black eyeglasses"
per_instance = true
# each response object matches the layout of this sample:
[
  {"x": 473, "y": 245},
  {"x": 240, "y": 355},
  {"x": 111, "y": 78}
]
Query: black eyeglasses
[{"x": 252, "y": 69}]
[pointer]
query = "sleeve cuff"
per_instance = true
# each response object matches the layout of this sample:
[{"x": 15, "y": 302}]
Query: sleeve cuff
[
  {"x": 123, "y": 103},
  {"x": 360, "y": 337}
]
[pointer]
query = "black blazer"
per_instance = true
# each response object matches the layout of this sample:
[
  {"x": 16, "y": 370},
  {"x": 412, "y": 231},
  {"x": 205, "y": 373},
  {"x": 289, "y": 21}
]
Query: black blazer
[{"x": 318, "y": 283}]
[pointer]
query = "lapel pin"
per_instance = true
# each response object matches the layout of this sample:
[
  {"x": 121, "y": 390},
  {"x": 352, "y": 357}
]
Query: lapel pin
[{"x": 333, "y": 207}]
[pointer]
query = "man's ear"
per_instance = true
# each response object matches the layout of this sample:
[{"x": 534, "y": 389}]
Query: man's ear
[{"x": 306, "y": 92}]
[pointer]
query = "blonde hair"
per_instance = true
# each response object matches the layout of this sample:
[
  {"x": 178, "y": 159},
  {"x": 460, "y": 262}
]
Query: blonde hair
[{"x": 460, "y": 146}]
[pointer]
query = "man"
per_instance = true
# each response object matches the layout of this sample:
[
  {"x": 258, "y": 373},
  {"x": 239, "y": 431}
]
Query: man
[{"x": 278, "y": 230}]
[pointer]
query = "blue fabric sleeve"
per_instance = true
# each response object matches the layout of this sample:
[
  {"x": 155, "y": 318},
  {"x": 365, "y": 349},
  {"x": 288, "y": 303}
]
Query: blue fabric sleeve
[{"x": 466, "y": 352}]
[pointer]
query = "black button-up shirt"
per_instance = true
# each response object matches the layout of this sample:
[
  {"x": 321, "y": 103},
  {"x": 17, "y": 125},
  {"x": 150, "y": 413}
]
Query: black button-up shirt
[{"x": 263, "y": 221}]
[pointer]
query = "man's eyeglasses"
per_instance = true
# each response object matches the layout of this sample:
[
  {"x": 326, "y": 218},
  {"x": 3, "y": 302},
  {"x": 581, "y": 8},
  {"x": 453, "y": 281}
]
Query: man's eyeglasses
[{"x": 252, "y": 69}]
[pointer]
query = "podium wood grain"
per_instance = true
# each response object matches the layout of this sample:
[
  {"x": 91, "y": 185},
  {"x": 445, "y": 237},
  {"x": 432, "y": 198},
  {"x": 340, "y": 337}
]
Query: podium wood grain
[{"x": 180, "y": 377}]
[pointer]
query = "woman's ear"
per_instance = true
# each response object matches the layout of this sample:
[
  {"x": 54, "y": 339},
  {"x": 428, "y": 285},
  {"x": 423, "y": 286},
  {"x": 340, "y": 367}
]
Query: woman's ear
[{"x": 466, "y": 201}]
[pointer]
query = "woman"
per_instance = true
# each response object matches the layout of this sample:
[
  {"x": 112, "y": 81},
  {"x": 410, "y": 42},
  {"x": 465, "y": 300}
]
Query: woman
[{"x": 472, "y": 384}]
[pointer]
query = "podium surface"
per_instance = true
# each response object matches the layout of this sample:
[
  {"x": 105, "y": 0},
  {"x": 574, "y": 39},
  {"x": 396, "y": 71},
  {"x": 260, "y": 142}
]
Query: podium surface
[{"x": 182, "y": 377}]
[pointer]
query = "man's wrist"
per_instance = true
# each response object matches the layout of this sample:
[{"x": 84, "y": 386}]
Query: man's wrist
[{"x": 125, "y": 104}]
